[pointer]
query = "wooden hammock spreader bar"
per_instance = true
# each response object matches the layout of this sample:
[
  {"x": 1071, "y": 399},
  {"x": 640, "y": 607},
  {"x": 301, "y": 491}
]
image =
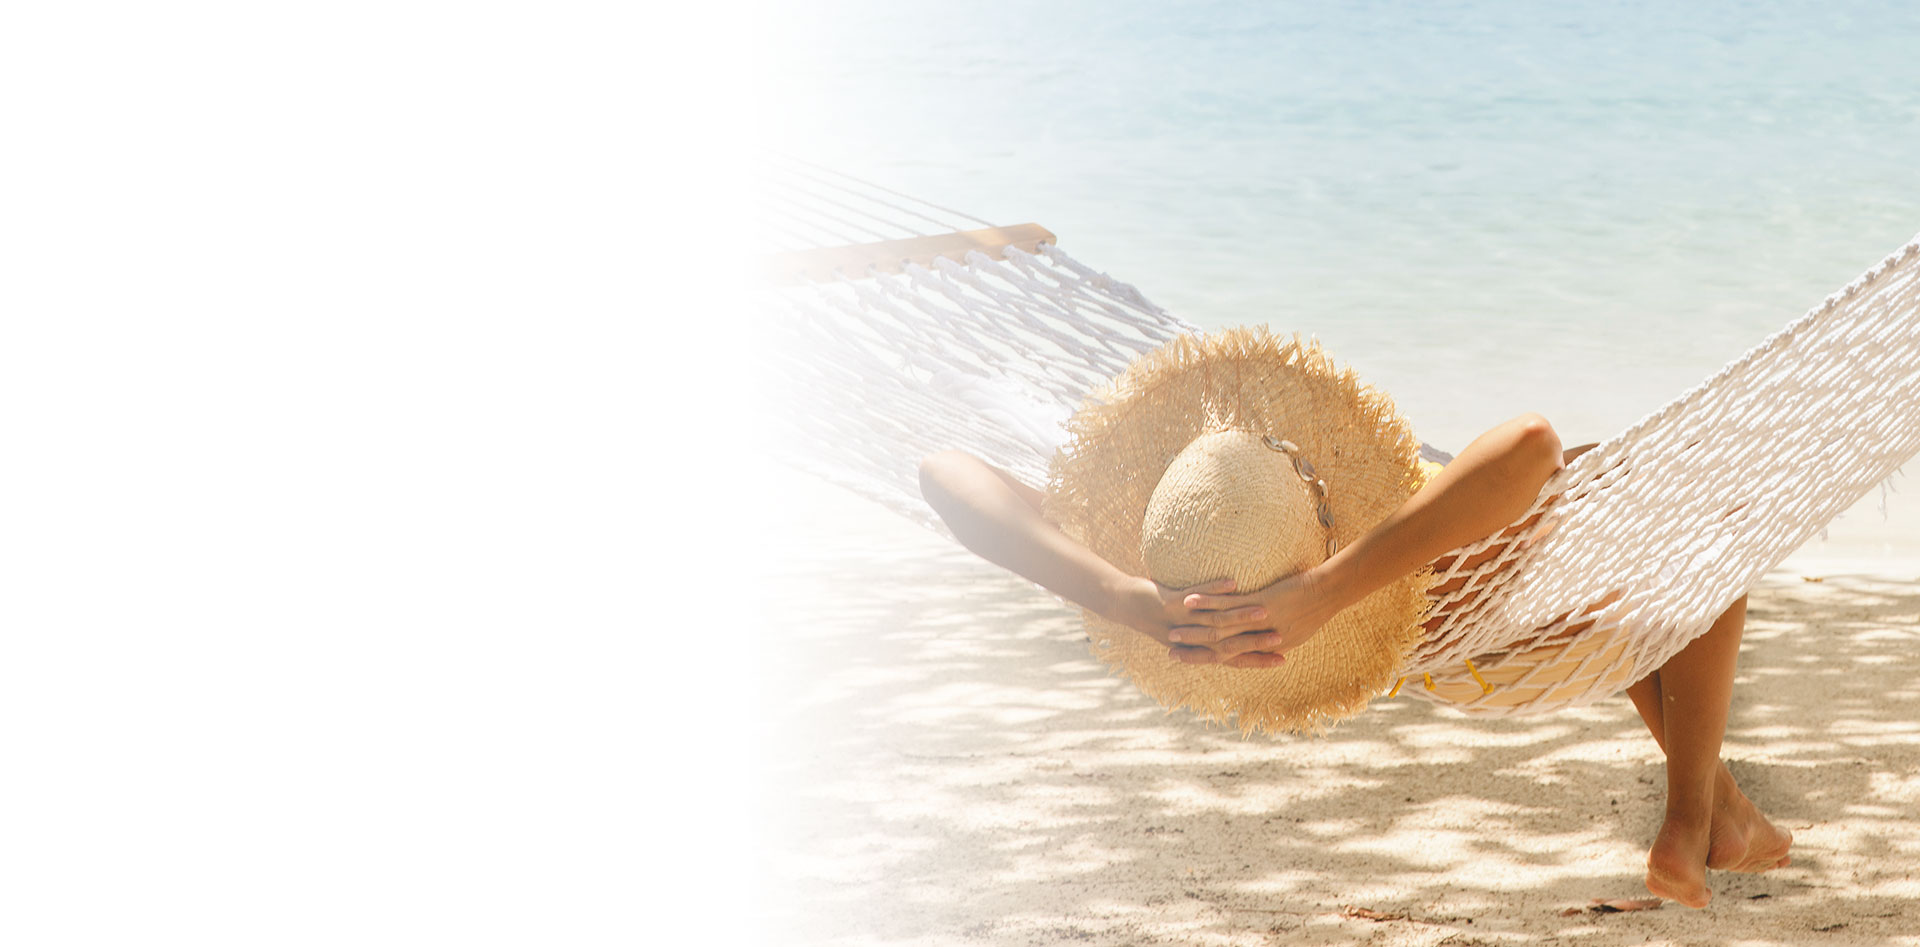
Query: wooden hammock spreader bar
[{"x": 890, "y": 256}]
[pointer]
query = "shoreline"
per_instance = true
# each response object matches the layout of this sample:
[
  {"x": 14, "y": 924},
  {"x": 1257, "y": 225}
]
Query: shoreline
[{"x": 1816, "y": 567}]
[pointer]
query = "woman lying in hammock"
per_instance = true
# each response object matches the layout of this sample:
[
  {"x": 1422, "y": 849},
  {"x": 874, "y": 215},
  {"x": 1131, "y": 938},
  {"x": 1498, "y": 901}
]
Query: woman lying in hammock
[{"x": 1709, "y": 822}]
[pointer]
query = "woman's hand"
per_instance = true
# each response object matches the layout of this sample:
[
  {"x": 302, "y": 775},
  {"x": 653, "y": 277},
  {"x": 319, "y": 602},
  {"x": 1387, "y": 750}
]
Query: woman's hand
[
  {"x": 1198, "y": 625},
  {"x": 1292, "y": 609}
]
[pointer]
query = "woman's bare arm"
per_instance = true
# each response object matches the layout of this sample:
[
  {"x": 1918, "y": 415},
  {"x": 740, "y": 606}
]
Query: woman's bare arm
[
  {"x": 998, "y": 518},
  {"x": 1492, "y": 483}
]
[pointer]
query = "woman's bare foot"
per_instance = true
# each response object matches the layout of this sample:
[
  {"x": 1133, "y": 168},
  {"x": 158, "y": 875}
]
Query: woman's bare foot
[
  {"x": 1677, "y": 864},
  {"x": 1734, "y": 836},
  {"x": 1741, "y": 838}
]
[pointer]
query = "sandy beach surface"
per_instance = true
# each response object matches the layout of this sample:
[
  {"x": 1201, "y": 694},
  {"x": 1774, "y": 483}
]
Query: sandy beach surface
[{"x": 945, "y": 763}]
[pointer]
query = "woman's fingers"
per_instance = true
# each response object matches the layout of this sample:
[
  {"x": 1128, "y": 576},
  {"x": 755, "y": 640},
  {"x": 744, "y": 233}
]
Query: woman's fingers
[
  {"x": 1217, "y": 627},
  {"x": 1209, "y": 627},
  {"x": 1185, "y": 649},
  {"x": 1251, "y": 641},
  {"x": 1242, "y": 618},
  {"x": 1187, "y": 654},
  {"x": 1215, "y": 601}
]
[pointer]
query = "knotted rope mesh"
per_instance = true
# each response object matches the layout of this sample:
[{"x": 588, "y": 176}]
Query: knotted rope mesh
[
  {"x": 985, "y": 356},
  {"x": 1642, "y": 542},
  {"x": 1630, "y": 553}
]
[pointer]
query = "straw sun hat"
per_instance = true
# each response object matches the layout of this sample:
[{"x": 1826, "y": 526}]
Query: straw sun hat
[{"x": 1209, "y": 458}]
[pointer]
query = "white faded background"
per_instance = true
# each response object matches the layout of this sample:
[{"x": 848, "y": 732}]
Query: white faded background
[{"x": 357, "y": 363}]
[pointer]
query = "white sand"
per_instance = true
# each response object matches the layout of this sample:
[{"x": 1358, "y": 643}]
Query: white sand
[{"x": 948, "y": 765}]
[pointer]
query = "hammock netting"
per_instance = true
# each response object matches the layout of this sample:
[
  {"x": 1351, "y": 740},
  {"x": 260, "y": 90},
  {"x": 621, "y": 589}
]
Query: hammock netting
[{"x": 1629, "y": 553}]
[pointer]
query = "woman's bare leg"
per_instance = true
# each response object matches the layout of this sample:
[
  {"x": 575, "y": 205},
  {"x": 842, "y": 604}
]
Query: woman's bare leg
[{"x": 1709, "y": 822}]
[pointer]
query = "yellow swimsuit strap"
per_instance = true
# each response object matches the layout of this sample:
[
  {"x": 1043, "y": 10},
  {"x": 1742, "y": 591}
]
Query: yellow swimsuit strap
[{"x": 1485, "y": 688}]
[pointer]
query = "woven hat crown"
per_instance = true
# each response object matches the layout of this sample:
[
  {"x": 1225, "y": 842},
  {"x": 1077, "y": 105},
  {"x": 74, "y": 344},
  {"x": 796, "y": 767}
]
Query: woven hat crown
[{"x": 1230, "y": 506}]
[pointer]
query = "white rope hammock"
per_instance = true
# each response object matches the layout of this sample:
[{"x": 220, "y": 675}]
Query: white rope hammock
[
  {"x": 1651, "y": 535},
  {"x": 1631, "y": 552}
]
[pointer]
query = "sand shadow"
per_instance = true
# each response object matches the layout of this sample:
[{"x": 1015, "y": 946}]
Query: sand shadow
[{"x": 945, "y": 763}]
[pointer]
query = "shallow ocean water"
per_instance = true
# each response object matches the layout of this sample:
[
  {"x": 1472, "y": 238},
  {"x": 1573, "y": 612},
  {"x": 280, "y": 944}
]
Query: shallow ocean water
[{"x": 1485, "y": 207}]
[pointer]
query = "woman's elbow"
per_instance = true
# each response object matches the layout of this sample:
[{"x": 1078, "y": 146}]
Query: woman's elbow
[
  {"x": 940, "y": 471},
  {"x": 1536, "y": 443}
]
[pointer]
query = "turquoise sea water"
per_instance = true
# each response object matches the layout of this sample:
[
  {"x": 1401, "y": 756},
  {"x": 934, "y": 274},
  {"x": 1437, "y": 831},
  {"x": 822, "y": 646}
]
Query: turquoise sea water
[{"x": 1486, "y": 207}]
